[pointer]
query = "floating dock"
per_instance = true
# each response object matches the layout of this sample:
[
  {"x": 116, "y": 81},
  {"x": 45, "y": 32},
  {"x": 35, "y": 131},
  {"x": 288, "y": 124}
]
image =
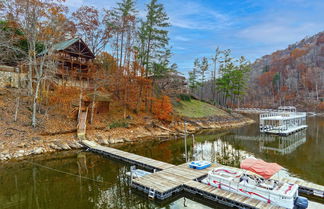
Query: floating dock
[{"x": 168, "y": 180}]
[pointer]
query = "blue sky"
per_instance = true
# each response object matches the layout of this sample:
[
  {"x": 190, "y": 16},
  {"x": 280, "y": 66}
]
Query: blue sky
[{"x": 251, "y": 28}]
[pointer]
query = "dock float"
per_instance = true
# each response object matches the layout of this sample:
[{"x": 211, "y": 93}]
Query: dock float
[{"x": 168, "y": 180}]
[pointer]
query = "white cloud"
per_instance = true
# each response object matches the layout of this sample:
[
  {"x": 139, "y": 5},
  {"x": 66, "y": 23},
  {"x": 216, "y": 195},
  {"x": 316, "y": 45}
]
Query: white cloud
[
  {"x": 192, "y": 15},
  {"x": 181, "y": 38},
  {"x": 280, "y": 31},
  {"x": 179, "y": 48}
]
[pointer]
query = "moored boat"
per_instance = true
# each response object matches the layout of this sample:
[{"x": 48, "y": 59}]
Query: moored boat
[
  {"x": 254, "y": 186},
  {"x": 136, "y": 173}
]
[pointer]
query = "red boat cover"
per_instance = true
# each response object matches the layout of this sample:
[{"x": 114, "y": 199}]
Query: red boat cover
[{"x": 260, "y": 167}]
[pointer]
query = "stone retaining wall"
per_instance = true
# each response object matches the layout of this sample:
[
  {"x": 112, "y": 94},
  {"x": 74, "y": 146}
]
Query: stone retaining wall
[{"x": 12, "y": 79}]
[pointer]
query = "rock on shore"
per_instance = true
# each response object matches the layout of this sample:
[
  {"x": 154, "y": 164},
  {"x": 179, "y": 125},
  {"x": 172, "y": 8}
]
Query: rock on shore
[{"x": 37, "y": 145}]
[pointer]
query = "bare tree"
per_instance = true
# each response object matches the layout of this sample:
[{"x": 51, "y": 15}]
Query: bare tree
[
  {"x": 92, "y": 27},
  {"x": 43, "y": 24}
]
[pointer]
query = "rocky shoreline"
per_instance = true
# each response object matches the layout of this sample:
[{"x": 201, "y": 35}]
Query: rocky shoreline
[{"x": 18, "y": 149}]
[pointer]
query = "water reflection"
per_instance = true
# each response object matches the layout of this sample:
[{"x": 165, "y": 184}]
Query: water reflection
[
  {"x": 219, "y": 151},
  {"x": 74, "y": 180},
  {"x": 283, "y": 144}
]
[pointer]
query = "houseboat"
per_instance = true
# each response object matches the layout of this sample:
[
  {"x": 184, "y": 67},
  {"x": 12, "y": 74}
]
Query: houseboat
[{"x": 285, "y": 121}]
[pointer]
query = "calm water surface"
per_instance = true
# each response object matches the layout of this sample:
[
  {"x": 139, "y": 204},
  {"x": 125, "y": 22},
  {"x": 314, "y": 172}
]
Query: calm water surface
[{"x": 85, "y": 180}]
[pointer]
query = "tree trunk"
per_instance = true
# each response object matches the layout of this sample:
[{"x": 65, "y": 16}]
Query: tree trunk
[
  {"x": 316, "y": 87},
  {"x": 117, "y": 48},
  {"x": 17, "y": 108},
  {"x": 125, "y": 102},
  {"x": 34, "y": 122},
  {"x": 30, "y": 77},
  {"x": 80, "y": 104},
  {"x": 92, "y": 106},
  {"x": 139, "y": 98},
  {"x": 121, "y": 48},
  {"x": 148, "y": 54}
]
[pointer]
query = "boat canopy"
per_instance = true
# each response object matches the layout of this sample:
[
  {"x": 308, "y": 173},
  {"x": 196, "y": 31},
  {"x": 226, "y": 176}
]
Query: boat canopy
[{"x": 260, "y": 167}]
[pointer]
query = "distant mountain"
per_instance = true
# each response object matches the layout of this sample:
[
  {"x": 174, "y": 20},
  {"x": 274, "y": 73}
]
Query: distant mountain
[{"x": 293, "y": 76}]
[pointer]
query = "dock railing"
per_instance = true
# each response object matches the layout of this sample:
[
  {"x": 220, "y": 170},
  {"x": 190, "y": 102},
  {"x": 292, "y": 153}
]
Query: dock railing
[{"x": 283, "y": 114}]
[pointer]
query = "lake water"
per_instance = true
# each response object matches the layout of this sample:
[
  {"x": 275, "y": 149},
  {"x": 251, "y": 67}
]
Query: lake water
[{"x": 84, "y": 180}]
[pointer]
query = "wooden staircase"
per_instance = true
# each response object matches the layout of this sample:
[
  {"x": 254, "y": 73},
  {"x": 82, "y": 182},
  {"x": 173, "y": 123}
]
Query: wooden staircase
[{"x": 82, "y": 124}]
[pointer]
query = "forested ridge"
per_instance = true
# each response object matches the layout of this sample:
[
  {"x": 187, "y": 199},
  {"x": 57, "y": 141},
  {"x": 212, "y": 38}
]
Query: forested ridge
[{"x": 293, "y": 76}]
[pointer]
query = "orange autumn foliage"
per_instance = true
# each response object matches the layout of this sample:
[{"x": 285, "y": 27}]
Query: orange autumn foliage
[
  {"x": 266, "y": 78},
  {"x": 162, "y": 108},
  {"x": 298, "y": 53},
  {"x": 63, "y": 96}
]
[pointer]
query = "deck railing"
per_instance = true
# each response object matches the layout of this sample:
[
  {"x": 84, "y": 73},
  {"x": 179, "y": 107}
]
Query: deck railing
[{"x": 283, "y": 114}]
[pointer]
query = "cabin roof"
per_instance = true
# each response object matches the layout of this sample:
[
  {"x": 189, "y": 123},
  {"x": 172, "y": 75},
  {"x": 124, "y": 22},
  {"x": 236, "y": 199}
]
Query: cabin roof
[
  {"x": 99, "y": 97},
  {"x": 64, "y": 45}
]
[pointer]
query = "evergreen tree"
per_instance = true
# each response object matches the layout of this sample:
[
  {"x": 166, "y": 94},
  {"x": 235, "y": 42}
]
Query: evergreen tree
[
  {"x": 203, "y": 69},
  {"x": 233, "y": 81},
  {"x": 123, "y": 19},
  {"x": 161, "y": 67},
  {"x": 153, "y": 35},
  {"x": 215, "y": 59},
  {"x": 193, "y": 76}
]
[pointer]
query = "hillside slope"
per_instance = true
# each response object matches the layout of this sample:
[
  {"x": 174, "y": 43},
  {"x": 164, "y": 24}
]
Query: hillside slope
[
  {"x": 197, "y": 109},
  {"x": 293, "y": 76}
]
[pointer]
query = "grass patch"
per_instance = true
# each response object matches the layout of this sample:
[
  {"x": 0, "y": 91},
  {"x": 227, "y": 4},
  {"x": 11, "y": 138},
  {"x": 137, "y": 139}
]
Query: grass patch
[
  {"x": 197, "y": 109},
  {"x": 118, "y": 124}
]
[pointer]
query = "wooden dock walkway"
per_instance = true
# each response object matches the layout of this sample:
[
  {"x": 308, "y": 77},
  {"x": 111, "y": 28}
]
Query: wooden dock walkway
[
  {"x": 127, "y": 157},
  {"x": 169, "y": 179}
]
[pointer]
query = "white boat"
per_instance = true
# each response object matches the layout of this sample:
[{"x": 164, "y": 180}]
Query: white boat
[
  {"x": 136, "y": 173},
  {"x": 253, "y": 186}
]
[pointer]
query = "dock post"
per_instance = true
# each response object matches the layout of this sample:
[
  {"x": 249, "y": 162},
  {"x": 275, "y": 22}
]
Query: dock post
[
  {"x": 185, "y": 138},
  {"x": 193, "y": 140}
]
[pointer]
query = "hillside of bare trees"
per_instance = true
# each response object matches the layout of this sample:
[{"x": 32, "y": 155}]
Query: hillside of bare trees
[{"x": 293, "y": 76}]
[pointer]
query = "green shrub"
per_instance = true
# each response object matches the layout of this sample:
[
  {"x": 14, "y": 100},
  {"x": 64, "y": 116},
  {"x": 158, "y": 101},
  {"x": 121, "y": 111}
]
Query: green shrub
[{"x": 184, "y": 97}]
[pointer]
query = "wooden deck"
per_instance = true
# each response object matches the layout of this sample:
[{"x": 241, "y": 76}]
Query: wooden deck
[{"x": 171, "y": 178}]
